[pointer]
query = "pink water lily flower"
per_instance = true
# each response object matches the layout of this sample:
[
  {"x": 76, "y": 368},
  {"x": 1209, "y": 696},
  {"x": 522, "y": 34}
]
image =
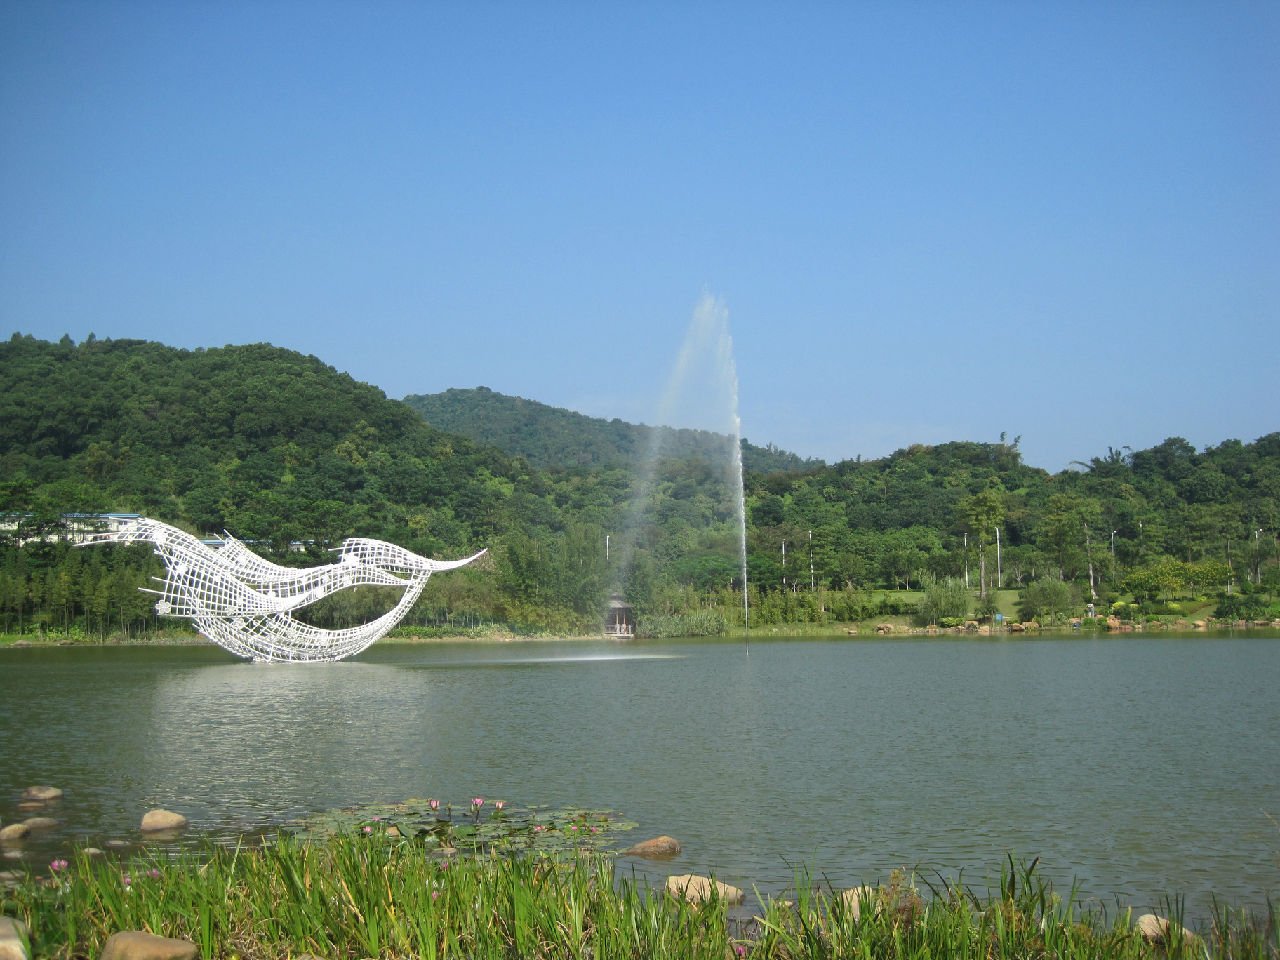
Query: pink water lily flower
[
  {"x": 57, "y": 865},
  {"x": 499, "y": 804},
  {"x": 477, "y": 802},
  {"x": 433, "y": 804}
]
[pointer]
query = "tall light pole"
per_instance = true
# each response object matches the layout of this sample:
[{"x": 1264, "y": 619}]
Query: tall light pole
[{"x": 999, "y": 568}]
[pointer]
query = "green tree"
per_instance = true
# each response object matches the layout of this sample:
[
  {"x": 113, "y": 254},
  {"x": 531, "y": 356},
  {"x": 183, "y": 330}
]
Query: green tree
[
  {"x": 1046, "y": 600},
  {"x": 980, "y": 514}
]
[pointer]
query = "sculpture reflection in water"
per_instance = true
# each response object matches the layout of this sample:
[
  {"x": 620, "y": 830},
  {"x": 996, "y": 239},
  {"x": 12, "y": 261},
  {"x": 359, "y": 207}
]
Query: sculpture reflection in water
[{"x": 245, "y": 604}]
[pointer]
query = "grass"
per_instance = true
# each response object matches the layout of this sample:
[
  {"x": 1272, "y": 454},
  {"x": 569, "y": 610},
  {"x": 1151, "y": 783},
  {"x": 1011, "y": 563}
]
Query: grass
[{"x": 354, "y": 895}]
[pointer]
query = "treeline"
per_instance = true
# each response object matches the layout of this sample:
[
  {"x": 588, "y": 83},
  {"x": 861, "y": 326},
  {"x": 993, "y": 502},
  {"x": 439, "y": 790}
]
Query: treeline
[{"x": 282, "y": 450}]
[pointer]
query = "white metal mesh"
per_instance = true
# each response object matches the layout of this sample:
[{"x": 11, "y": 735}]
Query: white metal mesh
[{"x": 243, "y": 603}]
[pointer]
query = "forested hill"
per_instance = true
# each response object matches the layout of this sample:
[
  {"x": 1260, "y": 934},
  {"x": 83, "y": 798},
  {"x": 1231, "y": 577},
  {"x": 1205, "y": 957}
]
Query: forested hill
[
  {"x": 266, "y": 442},
  {"x": 549, "y": 436},
  {"x": 281, "y": 449}
]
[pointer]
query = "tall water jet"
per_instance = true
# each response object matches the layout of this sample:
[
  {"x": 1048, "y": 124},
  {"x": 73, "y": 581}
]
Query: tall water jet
[{"x": 707, "y": 344}]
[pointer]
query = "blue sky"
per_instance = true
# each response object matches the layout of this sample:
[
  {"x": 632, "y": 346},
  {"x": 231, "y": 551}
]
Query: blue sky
[{"x": 927, "y": 221}]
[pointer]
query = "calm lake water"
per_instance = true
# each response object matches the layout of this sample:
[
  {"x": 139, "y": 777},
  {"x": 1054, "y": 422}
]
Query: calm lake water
[{"x": 1141, "y": 766}]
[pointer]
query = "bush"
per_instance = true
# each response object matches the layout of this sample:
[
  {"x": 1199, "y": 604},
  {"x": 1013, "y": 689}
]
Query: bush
[
  {"x": 943, "y": 600},
  {"x": 1046, "y": 600},
  {"x": 699, "y": 623},
  {"x": 1237, "y": 607}
]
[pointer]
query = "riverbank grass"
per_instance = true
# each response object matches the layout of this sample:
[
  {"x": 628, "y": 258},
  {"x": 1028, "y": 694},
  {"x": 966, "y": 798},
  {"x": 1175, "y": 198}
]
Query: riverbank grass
[{"x": 371, "y": 896}]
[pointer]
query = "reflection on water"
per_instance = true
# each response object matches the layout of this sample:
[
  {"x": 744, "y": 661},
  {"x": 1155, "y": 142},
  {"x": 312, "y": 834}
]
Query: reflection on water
[{"x": 1143, "y": 766}]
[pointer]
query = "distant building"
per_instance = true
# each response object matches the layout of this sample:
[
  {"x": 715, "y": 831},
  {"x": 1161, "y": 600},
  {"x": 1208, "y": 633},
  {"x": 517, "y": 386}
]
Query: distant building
[
  {"x": 77, "y": 527},
  {"x": 621, "y": 618}
]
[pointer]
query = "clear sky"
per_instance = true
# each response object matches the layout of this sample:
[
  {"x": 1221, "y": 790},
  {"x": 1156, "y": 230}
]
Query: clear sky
[{"x": 927, "y": 221}]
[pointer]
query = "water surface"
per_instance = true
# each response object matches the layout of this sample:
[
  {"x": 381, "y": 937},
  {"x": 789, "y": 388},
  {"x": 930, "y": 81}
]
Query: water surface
[{"x": 1142, "y": 766}]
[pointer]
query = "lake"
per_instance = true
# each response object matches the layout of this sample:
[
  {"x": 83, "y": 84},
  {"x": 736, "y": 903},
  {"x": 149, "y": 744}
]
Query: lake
[{"x": 1141, "y": 766}]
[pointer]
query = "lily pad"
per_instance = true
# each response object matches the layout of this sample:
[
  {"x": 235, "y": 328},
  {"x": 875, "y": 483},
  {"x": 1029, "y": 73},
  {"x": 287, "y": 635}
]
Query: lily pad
[{"x": 540, "y": 830}]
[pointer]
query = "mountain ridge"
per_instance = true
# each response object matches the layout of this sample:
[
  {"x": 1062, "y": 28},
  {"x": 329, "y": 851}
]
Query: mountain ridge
[{"x": 549, "y": 437}]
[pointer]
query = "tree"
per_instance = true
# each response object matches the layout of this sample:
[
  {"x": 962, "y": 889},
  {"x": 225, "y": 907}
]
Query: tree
[
  {"x": 1046, "y": 600},
  {"x": 980, "y": 514},
  {"x": 944, "y": 600}
]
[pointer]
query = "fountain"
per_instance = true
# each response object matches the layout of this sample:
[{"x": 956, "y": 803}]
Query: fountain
[{"x": 707, "y": 339}]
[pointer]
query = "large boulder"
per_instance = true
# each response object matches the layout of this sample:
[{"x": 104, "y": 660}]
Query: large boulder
[
  {"x": 696, "y": 889},
  {"x": 853, "y": 900},
  {"x": 43, "y": 794},
  {"x": 137, "y": 945},
  {"x": 160, "y": 819},
  {"x": 12, "y": 934},
  {"x": 14, "y": 831},
  {"x": 40, "y": 823},
  {"x": 656, "y": 849},
  {"x": 1155, "y": 929}
]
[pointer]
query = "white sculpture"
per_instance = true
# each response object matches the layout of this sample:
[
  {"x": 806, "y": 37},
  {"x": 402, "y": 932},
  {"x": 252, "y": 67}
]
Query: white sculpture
[{"x": 243, "y": 603}]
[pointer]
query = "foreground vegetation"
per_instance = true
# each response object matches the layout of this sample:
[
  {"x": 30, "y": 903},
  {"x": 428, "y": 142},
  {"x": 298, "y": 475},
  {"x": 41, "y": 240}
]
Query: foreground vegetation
[{"x": 355, "y": 895}]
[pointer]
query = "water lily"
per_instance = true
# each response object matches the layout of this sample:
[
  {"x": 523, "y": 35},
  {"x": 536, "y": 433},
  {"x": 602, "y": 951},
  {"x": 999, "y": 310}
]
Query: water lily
[
  {"x": 434, "y": 805},
  {"x": 57, "y": 865},
  {"x": 499, "y": 804},
  {"x": 153, "y": 874},
  {"x": 477, "y": 802}
]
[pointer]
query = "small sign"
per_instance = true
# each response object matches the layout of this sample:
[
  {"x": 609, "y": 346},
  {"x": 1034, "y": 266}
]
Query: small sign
[{"x": 999, "y": 617}]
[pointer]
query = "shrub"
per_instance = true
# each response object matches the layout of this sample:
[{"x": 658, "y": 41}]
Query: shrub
[
  {"x": 943, "y": 600},
  {"x": 1046, "y": 600}
]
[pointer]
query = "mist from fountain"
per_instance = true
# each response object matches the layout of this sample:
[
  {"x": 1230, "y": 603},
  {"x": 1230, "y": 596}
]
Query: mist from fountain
[{"x": 690, "y": 385}]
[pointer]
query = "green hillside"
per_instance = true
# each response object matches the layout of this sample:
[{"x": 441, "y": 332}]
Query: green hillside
[
  {"x": 553, "y": 437},
  {"x": 283, "y": 450}
]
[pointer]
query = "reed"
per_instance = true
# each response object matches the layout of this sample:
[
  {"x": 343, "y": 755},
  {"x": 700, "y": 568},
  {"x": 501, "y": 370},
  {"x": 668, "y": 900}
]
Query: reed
[{"x": 355, "y": 896}]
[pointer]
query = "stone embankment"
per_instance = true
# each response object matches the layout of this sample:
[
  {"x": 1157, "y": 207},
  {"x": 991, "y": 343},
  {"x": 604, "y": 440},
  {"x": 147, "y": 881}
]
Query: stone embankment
[{"x": 1112, "y": 624}]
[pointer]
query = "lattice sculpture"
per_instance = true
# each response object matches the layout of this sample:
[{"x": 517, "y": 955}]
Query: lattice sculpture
[{"x": 244, "y": 603}]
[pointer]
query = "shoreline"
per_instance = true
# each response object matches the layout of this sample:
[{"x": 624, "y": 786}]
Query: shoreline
[{"x": 775, "y": 632}]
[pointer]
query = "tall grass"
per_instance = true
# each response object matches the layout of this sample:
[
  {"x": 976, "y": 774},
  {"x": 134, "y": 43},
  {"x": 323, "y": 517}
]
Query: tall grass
[{"x": 356, "y": 896}]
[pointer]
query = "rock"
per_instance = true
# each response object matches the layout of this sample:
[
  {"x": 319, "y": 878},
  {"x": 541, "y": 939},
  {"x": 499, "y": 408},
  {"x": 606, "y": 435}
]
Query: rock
[
  {"x": 91, "y": 852},
  {"x": 393, "y": 831},
  {"x": 696, "y": 889},
  {"x": 14, "y": 831},
  {"x": 12, "y": 934},
  {"x": 1016, "y": 627},
  {"x": 853, "y": 900},
  {"x": 43, "y": 794},
  {"x": 160, "y": 819},
  {"x": 1030, "y": 625},
  {"x": 137, "y": 945},
  {"x": 40, "y": 823},
  {"x": 1156, "y": 929},
  {"x": 655, "y": 849},
  {"x": 117, "y": 844},
  {"x": 883, "y": 628}
]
